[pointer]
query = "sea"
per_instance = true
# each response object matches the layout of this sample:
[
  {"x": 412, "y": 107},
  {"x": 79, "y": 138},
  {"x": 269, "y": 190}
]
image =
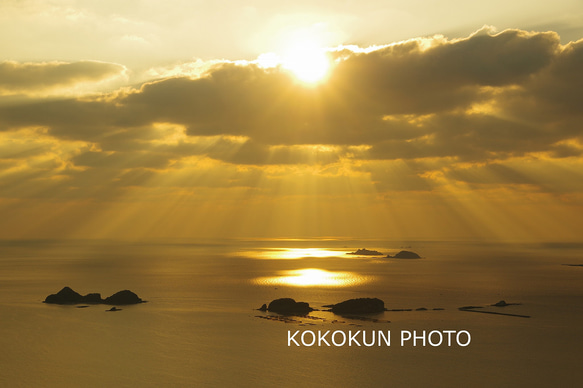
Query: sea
[{"x": 201, "y": 326}]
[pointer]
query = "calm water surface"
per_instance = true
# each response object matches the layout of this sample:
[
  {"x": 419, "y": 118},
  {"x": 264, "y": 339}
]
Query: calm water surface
[{"x": 200, "y": 326}]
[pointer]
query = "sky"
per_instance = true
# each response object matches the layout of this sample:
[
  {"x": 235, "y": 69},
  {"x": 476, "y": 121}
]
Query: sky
[{"x": 432, "y": 120}]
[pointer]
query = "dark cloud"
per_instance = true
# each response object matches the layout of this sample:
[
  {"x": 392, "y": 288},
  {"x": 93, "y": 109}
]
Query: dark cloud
[
  {"x": 469, "y": 137},
  {"x": 552, "y": 96},
  {"x": 18, "y": 77},
  {"x": 411, "y": 78},
  {"x": 482, "y": 99}
]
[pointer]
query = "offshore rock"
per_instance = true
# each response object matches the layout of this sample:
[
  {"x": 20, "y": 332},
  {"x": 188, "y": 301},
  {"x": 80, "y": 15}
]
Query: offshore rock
[
  {"x": 289, "y": 306},
  {"x": 68, "y": 296},
  {"x": 365, "y": 252},
  {"x": 94, "y": 298},
  {"x": 359, "y": 306},
  {"x": 405, "y": 255},
  {"x": 123, "y": 297},
  {"x": 65, "y": 296},
  {"x": 503, "y": 303}
]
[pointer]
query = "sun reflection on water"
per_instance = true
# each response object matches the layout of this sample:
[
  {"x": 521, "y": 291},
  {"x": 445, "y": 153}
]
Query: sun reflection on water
[
  {"x": 294, "y": 253},
  {"x": 313, "y": 277}
]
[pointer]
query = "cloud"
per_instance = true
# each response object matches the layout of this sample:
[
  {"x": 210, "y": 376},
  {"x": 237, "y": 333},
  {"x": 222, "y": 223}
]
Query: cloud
[
  {"x": 398, "y": 113},
  {"x": 42, "y": 77},
  {"x": 553, "y": 94}
]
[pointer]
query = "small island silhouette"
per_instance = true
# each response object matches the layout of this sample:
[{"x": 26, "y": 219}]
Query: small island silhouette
[
  {"x": 287, "y": 306},
  {"x": 351, "y": 306},
  {"x": 365, "y": 252},
  {"x": 68, "y": 296},
  {"x": 358, "y": 306},
  {"x": 405, "y": 255},
  {"x": 400, "y": 255}
]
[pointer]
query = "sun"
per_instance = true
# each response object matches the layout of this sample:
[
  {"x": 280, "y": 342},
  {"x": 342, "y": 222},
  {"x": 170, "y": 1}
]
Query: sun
[
  {"x": 303, "y": 57},
  {"x": 307, "y": 62}
]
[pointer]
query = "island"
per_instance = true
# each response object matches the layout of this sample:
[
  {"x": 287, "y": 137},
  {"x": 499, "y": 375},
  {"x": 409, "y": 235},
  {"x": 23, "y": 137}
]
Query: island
[
  {"x": 405, "y": 255},
  {"x": 287, "y": 306},
  {"x": 365, "y": 252},
  {"x": 358, "y": 306},
  {"x": 123, "y": 297},
  {"x": 69, "y": 296}
]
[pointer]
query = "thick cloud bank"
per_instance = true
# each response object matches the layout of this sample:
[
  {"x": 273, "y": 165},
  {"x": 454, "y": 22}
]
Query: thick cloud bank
[{"x": 490, "y": 111}]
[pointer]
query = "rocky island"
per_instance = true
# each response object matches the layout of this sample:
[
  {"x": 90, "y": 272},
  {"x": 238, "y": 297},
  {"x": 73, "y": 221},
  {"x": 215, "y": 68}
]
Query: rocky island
[
  {"x": 287, "y": 306},
  {"x": 69, "y": 296},
  {"x": 365, "y": 252},
  {"x": 358, "y": 306},
  {"x": 405, "y": 255}
]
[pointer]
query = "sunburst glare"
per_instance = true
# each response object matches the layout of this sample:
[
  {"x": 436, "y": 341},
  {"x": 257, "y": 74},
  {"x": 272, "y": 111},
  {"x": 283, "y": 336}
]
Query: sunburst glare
[
  {"x": 307, "y": 62},
  {"x": 302, "y": 55}
]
